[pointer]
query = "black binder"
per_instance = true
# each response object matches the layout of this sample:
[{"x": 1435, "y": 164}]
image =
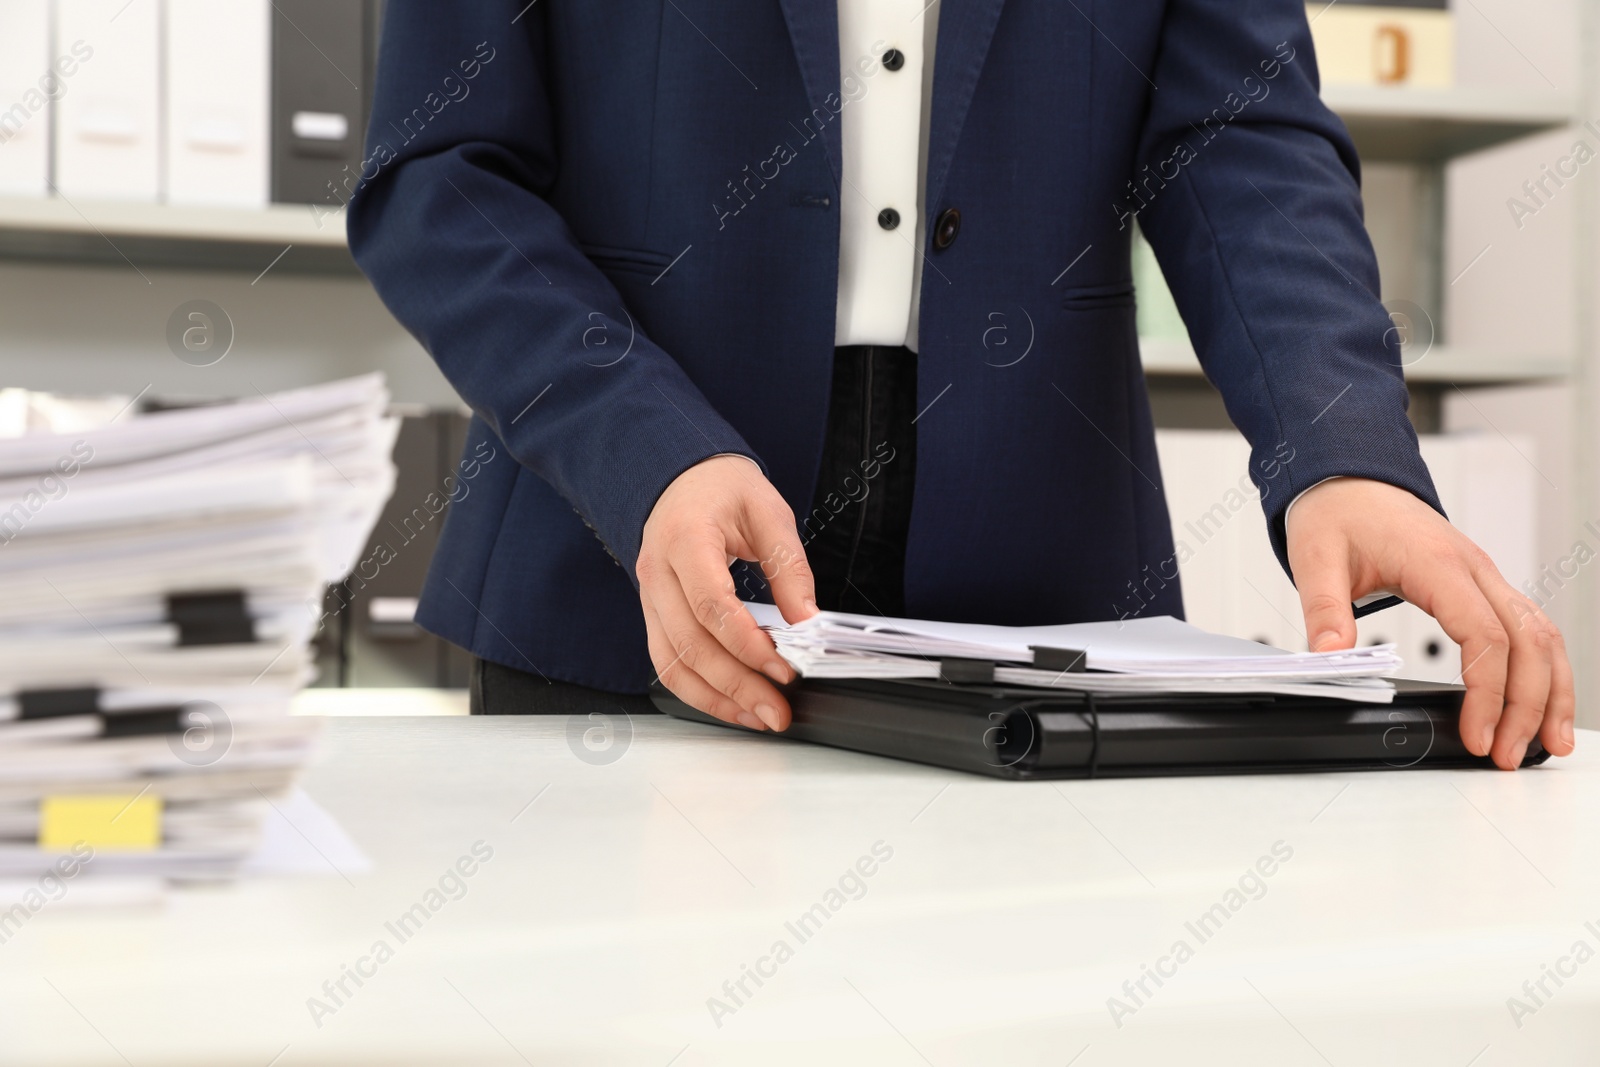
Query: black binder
[
  {"x": 324, "y": 58},
  {"x": 1027, "y": 733}
]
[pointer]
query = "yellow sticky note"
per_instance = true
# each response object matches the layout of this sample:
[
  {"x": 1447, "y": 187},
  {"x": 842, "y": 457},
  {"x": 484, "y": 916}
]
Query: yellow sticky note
[{"x": 128, "y": 823}]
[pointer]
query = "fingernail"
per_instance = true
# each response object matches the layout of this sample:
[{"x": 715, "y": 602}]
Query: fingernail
[
  {"x": 747, "y": 719},
  {"x": 769, "y": 714},
  {"x": 777, "y": 672},
  {"x": 1325, "y": 640},
  {"x": 1566, "y": 734},
  {"x": 1519, "y": 750},
  {"x": 809, "y": 606},
  {"x": 1488, "y": 739}
]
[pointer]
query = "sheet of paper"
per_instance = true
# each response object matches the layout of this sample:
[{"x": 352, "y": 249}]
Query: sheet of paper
[
  {"x": 300, "y": 837},
  {"x": 1158, "y": 654}
]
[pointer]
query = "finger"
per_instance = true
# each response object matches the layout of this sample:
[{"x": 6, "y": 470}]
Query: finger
[
  {"x": 1556, "y": 734},
  {"x": 770, "y": 538},
  {"x": 1555, "y": 725},
  {"x": 1527, "y": 666},
  {"x": 1441, "y": 586},
  {"x": 701, "y": 569},
  {"x": 685, "y": 684},
  {"x": 702, "y": 654},
  {"x": 1322, "y": 577}
]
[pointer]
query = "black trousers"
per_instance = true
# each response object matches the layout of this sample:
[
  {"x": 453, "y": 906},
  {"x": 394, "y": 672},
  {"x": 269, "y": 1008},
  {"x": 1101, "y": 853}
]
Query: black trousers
[{"x": 854, "y": 535}]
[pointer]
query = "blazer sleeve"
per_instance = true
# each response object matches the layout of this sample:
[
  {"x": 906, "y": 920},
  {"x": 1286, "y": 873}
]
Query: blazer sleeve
[
  {"x": 452, "y": 225},
  {"x": 1248, "y": 189}
]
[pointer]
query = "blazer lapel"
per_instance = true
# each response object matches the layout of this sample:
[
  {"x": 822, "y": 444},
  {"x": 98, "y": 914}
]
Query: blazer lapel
[
  {"x": 814, "y": 30},
  {"x": 965, "y": 29}
]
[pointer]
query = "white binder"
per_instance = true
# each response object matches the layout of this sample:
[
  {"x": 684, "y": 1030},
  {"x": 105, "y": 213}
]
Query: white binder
[
  {"x": 108, "y": 123},
  {"x": 1232, "y": 582},
  {"x": 217, "y": 101},
  {"x": 1428, "y": 652},
  {"x": 27, "y": 87},
  {"x": 1191, "y": 463}
]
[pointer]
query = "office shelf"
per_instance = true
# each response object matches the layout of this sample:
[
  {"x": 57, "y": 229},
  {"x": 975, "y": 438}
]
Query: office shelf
[
  {"x": 1391, "y": 125},
  {"x": 1441, "y": 365},
  {"x": 1427, "y": 128},
  {"x": 164, "y": 235}
]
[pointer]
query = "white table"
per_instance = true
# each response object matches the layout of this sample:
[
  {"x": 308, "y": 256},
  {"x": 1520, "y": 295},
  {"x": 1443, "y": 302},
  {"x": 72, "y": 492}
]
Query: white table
[{"x": 622, "y": 895}]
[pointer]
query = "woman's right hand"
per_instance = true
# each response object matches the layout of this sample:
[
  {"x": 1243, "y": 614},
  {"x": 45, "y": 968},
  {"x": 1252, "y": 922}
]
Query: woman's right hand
[{"x": 705, "y": 646}]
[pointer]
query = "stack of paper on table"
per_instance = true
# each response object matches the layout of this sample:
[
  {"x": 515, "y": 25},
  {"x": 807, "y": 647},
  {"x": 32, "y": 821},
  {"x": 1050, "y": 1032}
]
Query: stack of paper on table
[
  {"x": 1150, "y": 655},
  {"x": 161, "y": 578}
]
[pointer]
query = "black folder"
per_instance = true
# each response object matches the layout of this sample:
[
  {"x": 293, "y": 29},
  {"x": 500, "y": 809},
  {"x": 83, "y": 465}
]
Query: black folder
[
  {"x": 1027, "y": 733},
  {"x": 324, "y": 58}
]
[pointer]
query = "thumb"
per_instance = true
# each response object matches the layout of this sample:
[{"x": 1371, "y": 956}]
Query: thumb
[
  {"x": 782, "y": 561},
  {"x": 1324, "y": 585}
]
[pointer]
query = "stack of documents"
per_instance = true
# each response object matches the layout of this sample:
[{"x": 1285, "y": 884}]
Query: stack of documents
[
  {"x": 1150, "y": 655},
  {"x": 163, "y": 575}
]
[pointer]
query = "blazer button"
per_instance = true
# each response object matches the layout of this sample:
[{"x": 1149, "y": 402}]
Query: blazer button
[{"x": 945, "y": 228}]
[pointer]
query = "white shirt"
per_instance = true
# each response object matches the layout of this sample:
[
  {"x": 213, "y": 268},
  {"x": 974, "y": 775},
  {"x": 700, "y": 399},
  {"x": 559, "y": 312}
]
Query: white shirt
[{"x": 884, "y": 132}]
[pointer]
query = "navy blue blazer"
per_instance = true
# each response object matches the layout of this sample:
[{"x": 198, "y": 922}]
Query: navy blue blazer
[{"x": 615, "y": 225}]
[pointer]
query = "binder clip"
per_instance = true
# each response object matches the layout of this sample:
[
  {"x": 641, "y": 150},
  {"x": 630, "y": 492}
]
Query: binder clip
[
  {"x": 967, "y": 671},
  {"x": 1069, "y": 660},
  {"x": 212, "y": 618},
  {"x": 57, "y": 703}
]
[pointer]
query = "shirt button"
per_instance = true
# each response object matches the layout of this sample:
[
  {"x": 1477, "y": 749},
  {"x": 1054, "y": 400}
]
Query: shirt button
[
  {"x": 894, "y": 59},
  {"x": 945, "y": 228},
  {"x": 888, "y": 218}
]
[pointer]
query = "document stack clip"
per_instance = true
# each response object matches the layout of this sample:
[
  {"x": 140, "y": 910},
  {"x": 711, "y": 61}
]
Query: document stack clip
[
  {"x": 216, "y": 618},
  {"x": 147, "y": 722},
  {"x": 1072, "y": 660},
  {"x": 57, "y": 703},
  {"x": 966, "y": 671}
]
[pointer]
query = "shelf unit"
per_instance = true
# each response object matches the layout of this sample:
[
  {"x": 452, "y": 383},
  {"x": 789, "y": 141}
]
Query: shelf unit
[
  {"x": 1426, "y": 128},
  {"x": 1439, "y": 365},
  {"x": 1436, "y": 125},
  {"x": 168, "y": 235},
  {"x": 1423, "y": 126}
]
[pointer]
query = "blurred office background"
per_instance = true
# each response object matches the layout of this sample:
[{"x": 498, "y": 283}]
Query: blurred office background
[{"x": 198, "y": 155}]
